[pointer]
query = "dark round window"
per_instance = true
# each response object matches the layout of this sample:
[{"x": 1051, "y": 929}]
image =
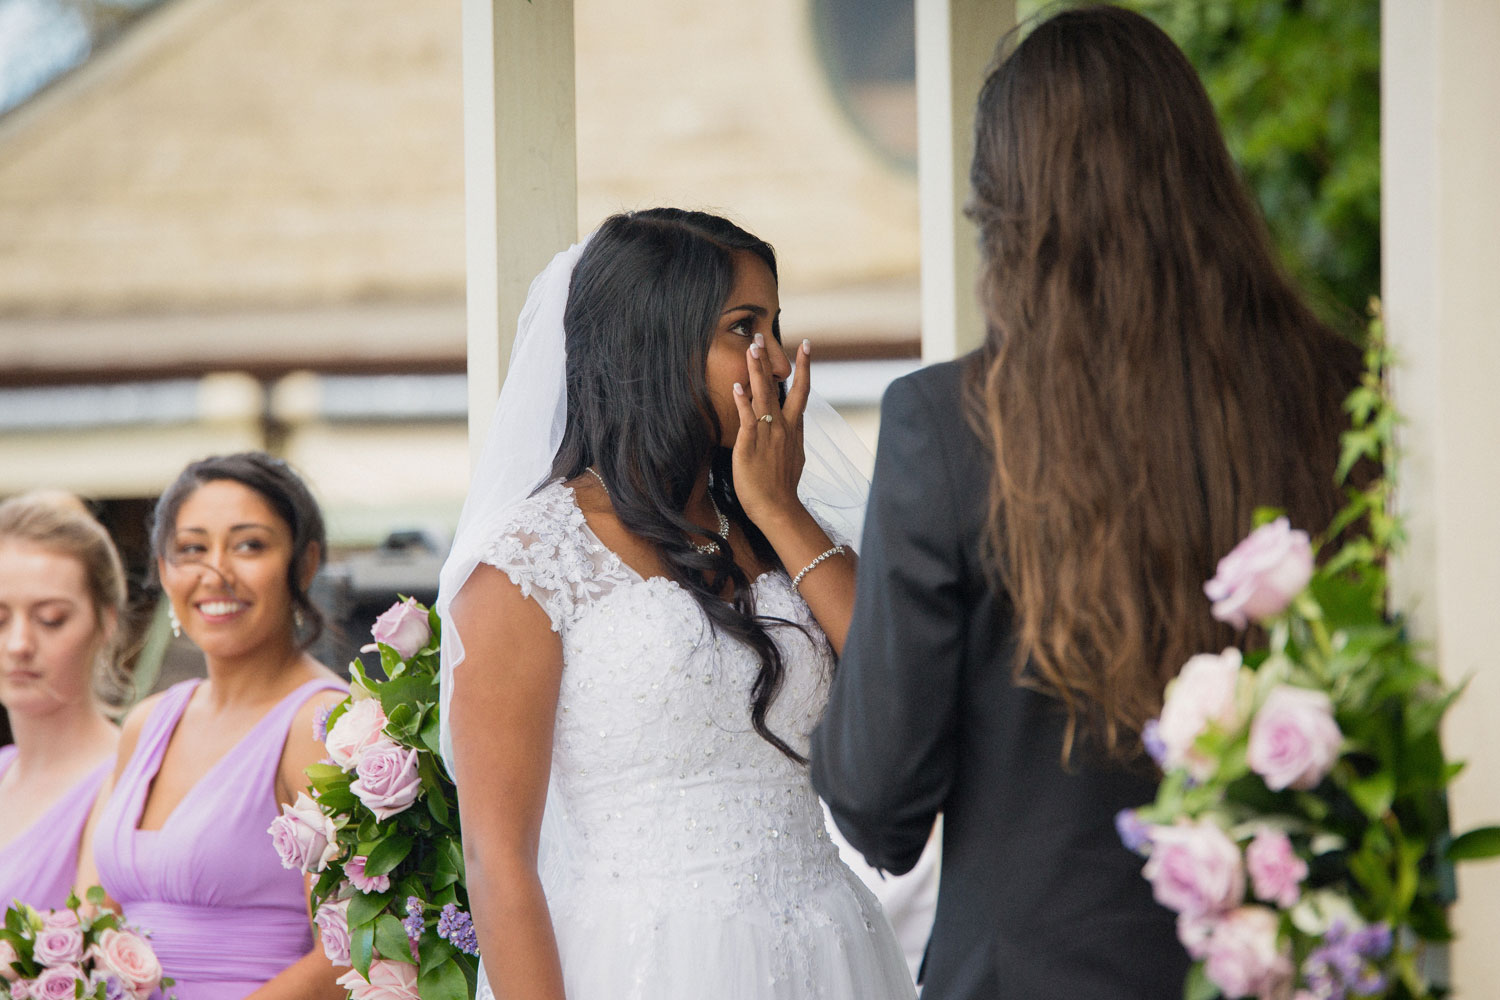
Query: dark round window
[{"x": 869, "y": 53}]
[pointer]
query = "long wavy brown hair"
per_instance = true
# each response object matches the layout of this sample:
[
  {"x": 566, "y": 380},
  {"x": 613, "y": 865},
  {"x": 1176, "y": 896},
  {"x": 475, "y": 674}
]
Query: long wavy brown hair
[{"x": 1150, "y": 375}]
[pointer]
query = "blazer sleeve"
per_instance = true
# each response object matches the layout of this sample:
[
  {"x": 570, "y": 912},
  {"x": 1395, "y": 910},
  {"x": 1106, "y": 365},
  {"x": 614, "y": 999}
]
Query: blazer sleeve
[{"x": 883, "y": 755}]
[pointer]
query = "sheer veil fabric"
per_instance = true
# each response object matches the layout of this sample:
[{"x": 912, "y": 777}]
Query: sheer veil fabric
[{"x": 527, "y": 429}]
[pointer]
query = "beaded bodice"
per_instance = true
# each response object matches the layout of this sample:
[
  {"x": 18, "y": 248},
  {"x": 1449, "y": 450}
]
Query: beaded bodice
[{"x": 657, "y": 774}]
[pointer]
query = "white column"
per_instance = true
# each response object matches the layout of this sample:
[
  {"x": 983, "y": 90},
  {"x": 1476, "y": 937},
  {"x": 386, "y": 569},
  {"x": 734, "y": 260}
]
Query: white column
[
  {"x": 1440, "y": 211},
  {"x": 955, "y": 41},
  {"x": 520, "y": 172}
]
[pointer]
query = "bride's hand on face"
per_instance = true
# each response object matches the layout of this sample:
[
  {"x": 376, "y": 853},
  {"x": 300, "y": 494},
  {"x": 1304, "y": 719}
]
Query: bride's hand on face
[{"x": 768, "y": 455}]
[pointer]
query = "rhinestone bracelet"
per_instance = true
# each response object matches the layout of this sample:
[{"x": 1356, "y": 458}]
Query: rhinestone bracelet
[{"x": 837, "y": 550}]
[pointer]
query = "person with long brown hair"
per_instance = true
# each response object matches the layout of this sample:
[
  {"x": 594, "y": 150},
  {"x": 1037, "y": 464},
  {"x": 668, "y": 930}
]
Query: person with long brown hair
[{"x": 1045, "y": 510}]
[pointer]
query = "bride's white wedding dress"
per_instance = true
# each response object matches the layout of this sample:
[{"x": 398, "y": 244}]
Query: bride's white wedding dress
[{"x": 683, "y": 856}]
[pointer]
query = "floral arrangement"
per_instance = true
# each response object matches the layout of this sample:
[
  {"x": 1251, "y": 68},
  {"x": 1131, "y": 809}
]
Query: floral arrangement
[
  {"x": 67, "y": 955},
  {"x": 379, "y": 827},
  {"x": 1301, "y": 829}
]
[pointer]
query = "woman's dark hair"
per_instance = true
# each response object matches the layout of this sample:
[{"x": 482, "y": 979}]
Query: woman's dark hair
[
  {"x": 643, "y": 305},
  {"x": 288, "y": 496},
  {"x": 1150, "y": 375}
]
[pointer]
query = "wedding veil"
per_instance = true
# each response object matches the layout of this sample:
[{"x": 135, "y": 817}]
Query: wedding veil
[{"x": 527, "y": 429}]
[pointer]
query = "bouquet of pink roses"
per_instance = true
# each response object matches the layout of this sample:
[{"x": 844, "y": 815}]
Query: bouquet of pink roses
[
  {"x": 1301, "y": 828},
  {"x": 64, "y": 955},
  {"x": 379, "y": 828}
]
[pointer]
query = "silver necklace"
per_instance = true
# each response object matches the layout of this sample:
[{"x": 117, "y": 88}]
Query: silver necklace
[{"x": 707, "y": 548}]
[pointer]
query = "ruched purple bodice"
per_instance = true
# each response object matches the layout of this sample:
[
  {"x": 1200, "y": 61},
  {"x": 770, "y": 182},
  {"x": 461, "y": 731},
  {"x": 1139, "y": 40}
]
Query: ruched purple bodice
[
  {"x": 38, "y": 865},
  {"x": 224, "y": 915}
]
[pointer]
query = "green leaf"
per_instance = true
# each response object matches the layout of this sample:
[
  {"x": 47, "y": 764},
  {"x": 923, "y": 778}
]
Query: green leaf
[
  {"x": 443, "y": 982},
  {"x": 1476, "y": 845},
  {"x": 1373, "y": 794},
  {"x": 405, "y": 691},
  {"x": 361, "y": 946},
  {"x": 1196, "y": 987},
  {"x": 365, "y": 907},
  {"x": 434, "y": 952},
  {"x": 95, "y": 895},
  {"x": 391, "y": 941},
  {"x": 431, "y": 735},
  {"x": 387, "y": 854}
]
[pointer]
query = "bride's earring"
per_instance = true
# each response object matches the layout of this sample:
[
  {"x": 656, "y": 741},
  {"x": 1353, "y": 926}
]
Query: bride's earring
[
  {"x": 297, "y": 620},
  {"x": 176, "y": 625}
]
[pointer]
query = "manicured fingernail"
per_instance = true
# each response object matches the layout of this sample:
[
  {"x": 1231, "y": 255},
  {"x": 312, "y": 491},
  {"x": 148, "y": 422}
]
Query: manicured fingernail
[
  {"x": 739, "y": 390},
  {"x": 807, "y": 347},
  {"x": 755, "y": 348},
  {"x": 760, "y": 340}
]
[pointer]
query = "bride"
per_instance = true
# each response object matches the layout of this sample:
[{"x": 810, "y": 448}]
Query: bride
[{"x": 641, "y": 615}]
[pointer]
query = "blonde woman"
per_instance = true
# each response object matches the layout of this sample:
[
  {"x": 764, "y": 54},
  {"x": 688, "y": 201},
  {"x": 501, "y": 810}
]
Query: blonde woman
[{"x": 61, "y": 594}]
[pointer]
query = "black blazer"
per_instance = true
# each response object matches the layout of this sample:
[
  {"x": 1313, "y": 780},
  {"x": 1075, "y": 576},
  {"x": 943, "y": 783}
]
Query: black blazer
[{"x": 1038, "y": 898}]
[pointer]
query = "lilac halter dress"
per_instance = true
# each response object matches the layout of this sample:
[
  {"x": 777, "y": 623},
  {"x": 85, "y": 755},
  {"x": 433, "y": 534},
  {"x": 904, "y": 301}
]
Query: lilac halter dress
[
  {"x": 39, "y": 865},
  {"x": 224, "y": 916}
]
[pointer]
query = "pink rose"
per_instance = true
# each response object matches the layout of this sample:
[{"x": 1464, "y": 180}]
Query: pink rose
[
  {"x": 354, "y": 868},
  {"x": 358, "y": 729},
  {"x": 1195, "y": 869},
  {"x": 56, "y": 983},
  {"x": 1205, "y": 691},
  {"x": 7, "y": 956},
  {"x": 1294, "y": 741},
  {"x": 1245, "y": 958},
  {"x": 333, "y": 928},
  {"x": 387, "y": 781},
  {"x": 59, "y": 919},
  {"x": 21, "y": 989},
  {"x": 388, "y": 981},
  {"x": 303, "y": 836},
  {"x": 1276, "y": 873},
  {"x": 126, "y": 956},
  {"x": 1194, "y": 933},
  {"x": 1261, "y": 576},
  {"x": 403, "y": 627},
  {"x": 58, "y": 945}
]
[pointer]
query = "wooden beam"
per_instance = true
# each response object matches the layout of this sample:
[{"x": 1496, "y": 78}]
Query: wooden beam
[
  {"x": 955, "y": 42},
  {"x": 520, "y": 173}
]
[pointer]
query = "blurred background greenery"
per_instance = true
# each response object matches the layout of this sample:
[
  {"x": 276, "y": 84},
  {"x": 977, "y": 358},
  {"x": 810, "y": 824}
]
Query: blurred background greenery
[{"x": 1297, "y": 87}]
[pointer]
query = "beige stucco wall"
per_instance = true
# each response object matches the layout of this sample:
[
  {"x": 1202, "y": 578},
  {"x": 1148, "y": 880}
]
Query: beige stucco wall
[{"x": 246, "y": 154}]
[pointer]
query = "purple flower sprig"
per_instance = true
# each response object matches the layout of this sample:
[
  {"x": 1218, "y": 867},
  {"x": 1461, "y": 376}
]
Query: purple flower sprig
[
  {"x": 415, "y": 923},
  {"x": 457, "y": 927},
  {"x": 1345, "y": 963}
]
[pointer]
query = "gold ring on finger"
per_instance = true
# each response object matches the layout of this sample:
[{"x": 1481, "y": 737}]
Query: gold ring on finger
[{"x": 767, "y": 418}]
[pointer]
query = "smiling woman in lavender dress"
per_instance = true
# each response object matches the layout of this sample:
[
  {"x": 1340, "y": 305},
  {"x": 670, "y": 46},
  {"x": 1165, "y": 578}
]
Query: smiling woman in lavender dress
[
  {"x": 61, "y": 594},
  {"x": 181, "y": 839}
]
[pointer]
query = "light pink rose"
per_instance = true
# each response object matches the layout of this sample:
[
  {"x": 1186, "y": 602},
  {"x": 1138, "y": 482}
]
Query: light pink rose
[
  {"x": 1276, "y": 873},
  {"x": 1261, "y": 576},
  {"x": 58, "y": 945},
  {"x": 1194, "y": 933},
  {"x": 1294, "y": 741},
  {"x": 7, "y": 956},
  {"x": 403, "y": 627},
  {"x": 1245, "y": 958},
  {"x": 387, "y": 781},
  {"x": 1205, "y": 691},
  {"x": 126, "y": 956},
  {"x": 358, "y": 729},
  {"x": 388, "y": 981},
  {"x": 332, "y": 919},
  {"x": 354, "y": 868},
  {"x": 56, "y": 983},
  {"x": 21, "y": 989},
  {"x": 303, "y": 836},
  {"x": 59, "y": 919},
  {"x": 1195, "y": 869}
]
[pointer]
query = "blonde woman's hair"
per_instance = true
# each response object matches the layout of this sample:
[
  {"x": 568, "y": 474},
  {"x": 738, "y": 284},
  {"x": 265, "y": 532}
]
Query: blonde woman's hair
[{"x": 60, "y": 523}]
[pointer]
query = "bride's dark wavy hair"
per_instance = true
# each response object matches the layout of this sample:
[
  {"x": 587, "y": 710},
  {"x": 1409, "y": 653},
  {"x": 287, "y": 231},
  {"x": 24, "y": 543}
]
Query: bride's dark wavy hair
[
  {"x": 1151, "y": 376},
  {"x": 643, "y": 305}
]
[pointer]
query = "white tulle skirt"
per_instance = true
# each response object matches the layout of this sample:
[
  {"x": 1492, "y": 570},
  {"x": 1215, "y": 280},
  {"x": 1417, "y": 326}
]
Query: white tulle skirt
[{"x": 670, "y": 941}]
